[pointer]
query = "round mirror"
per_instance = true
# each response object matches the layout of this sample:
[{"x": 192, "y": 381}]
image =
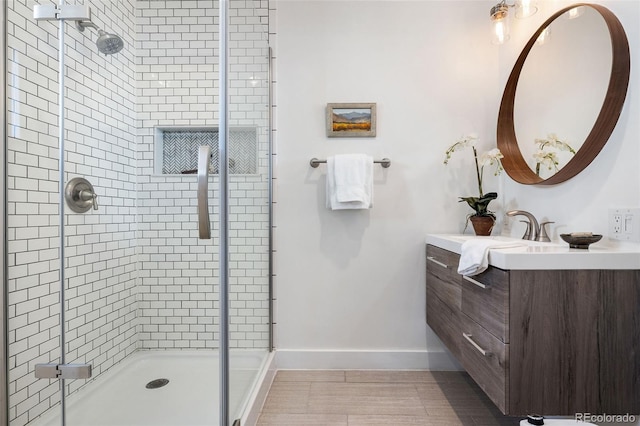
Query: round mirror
[
  {"x": 563, "y": 98},
  {"x": 561, "y": 88}
]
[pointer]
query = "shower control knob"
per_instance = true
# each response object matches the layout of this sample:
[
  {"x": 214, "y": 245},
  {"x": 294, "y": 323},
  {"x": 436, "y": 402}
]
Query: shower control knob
[
  {"x": 86, "y": 195},
  {"x": 80, "y": 195}
]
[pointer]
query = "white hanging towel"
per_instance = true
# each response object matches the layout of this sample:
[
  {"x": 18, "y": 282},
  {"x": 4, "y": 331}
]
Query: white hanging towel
[
  {"x": 474, "y": 254},
  {"x": 350, "y": 182}
]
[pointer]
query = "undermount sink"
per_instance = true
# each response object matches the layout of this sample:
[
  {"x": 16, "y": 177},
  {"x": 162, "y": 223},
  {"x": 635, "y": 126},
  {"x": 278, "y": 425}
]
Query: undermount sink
[
  {"x": 466, "y": 237},
  {"x": 532, "y": 255}
]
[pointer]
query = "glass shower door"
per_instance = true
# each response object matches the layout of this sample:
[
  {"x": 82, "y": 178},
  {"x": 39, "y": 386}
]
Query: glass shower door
[
  {"x": 100, "y": 296},
  {"x": 249, "y": 197},
  {"x": 139, "y": 287},
  {"x": 33, "y": 239},
  {"x": 72, "y": 272}
]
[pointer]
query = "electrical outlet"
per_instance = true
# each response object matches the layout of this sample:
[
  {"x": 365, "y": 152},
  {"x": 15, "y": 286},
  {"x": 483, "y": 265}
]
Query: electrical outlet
[
  {"x": 624, "y": 224},
  {"x": 617, "y": 223}
]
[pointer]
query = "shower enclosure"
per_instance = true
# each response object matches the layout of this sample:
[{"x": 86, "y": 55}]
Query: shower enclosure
[{"x": 124, "y": 295}]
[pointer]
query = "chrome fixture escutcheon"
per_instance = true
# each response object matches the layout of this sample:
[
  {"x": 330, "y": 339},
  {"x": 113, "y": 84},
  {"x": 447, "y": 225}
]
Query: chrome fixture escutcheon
[{"x": 80, "y": 195}]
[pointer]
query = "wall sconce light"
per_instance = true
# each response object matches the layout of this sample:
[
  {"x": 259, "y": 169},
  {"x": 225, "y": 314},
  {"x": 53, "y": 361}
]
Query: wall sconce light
[
  {"x": 500, "y": 17},
  {"x": 525, "y": 8},
  {"x": 499, "y": 23}
]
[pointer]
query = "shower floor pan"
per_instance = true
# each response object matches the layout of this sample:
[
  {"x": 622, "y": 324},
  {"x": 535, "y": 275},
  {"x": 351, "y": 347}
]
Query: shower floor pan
[{"x": 121, "y": 397}]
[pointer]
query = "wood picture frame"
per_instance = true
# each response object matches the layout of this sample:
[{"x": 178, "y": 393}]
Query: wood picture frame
[{"x": 348, "y": 120}]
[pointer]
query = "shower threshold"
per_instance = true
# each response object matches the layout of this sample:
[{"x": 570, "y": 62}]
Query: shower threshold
[{"x": 120, "y": 397}]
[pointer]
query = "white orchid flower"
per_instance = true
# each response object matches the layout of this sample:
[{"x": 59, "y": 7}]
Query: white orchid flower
[
  {"x": 491, "y": 157},
  {"x": 552, "y": 141},
  {"x": 463, "y": 142},
  {"x": 546, "y": 158}
]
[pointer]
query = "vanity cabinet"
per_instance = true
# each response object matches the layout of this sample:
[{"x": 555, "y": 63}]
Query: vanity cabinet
[{"x": 556, "y": 342}]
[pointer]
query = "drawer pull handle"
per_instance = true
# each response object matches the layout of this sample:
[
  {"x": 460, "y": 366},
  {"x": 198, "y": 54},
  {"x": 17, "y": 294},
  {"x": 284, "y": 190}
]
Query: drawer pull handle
[
  {"x": 475, "y": 345},
  {"x": 437, "y": 262},
  {"x": 478, "y": 283}
]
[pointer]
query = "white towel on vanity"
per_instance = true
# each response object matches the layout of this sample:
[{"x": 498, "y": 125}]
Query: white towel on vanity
[
  {"x": 474, "y": 254},
  {"x": 350, "y": 182}
]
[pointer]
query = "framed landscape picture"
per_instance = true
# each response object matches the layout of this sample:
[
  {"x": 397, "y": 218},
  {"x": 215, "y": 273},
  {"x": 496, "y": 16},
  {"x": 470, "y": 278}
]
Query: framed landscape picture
[{"x": 351, "y": 120}]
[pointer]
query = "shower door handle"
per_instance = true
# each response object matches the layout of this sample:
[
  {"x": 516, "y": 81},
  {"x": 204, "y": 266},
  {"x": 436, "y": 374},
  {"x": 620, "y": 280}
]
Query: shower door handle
[{"x": 204, "y": 227}]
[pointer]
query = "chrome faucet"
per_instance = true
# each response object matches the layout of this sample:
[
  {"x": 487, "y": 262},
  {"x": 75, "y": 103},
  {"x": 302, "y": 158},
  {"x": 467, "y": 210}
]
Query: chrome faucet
[{"x": 535, "y": 231}]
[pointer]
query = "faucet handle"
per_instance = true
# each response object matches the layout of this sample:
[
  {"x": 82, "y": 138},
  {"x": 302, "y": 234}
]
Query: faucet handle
[
  {"x": 88, "y": 195},
  {"x": 527, "y": 233},
  {"x": 544, "y": 237}
]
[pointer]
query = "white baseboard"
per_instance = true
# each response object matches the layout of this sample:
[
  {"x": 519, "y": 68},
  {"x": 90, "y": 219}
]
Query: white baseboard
[{"x": 309, "y": 359}]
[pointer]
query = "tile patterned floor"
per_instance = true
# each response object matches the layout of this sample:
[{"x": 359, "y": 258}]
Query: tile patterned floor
[{"x": 369, "y": 398}]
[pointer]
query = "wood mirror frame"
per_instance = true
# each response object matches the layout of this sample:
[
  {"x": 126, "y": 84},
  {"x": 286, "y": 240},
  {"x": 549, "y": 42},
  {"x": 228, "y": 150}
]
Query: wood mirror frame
[{"x": 513, "y": 162}]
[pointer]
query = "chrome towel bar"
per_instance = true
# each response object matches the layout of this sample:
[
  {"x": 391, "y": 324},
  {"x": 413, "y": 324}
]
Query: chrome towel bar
[{"x": 385, "y": 162}]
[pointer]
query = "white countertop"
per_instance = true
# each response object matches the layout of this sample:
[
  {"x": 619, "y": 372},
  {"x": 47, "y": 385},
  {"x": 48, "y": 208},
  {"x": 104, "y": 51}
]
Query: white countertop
[{"x": 537, "y": 255}]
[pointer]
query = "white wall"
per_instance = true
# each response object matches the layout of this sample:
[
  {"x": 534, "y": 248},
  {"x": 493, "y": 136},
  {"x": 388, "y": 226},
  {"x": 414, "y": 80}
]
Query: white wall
[{"x": 353, "y": 281}]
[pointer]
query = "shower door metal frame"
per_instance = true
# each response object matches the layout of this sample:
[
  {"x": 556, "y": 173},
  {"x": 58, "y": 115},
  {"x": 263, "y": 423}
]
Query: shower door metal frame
[
  {"x": 223, "y": 174},
  {"x": 270, "y": 200},
  {"x": 4, "y": 356}
]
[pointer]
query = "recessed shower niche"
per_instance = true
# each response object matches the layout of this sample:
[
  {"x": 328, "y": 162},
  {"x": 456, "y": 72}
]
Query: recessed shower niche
[{"x": 176, "y": 149}]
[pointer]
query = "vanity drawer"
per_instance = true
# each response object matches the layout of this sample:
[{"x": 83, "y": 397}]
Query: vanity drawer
[
  {"x": 445, "y": 322},
  {"x": 449, "y": 292},
  {"x": 485, "y": 358},
  {"x": 442, "y": 263},
  {"x": 442, "y": 276},
  {"x": 485, "y": 299}
]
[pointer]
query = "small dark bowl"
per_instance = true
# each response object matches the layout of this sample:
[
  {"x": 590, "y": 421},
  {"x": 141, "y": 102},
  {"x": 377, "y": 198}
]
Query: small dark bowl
[{"x": 580, "y": 242}]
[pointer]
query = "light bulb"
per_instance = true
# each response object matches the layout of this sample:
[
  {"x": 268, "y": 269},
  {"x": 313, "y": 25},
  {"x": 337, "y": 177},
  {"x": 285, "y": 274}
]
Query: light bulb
[
  {"x": 525, "y": 8},
  {"x": 499, "y": 24},
  {"x": 575, "y": 12},
  {"x": 500, "y": 31}
]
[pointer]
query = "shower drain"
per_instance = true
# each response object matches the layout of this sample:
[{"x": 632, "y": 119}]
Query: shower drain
[{"x": 157, "y": 383}]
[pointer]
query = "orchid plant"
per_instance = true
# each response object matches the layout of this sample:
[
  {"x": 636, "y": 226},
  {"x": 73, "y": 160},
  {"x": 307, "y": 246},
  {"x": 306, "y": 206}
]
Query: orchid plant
[
  {"x": 490, "y": 158},
  {"x": 546, "y": 155}
]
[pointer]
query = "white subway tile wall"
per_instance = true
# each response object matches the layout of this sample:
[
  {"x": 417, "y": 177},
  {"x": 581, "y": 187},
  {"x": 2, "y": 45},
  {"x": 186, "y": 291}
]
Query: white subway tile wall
[
  {"x": 100, "y": 245},
  {"x": 137, "y": 276},
  {"x": 177, "y": 75}
]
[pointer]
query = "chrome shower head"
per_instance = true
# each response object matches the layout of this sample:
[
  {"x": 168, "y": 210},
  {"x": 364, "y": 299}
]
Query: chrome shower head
[
  {"x": 109, "y": 43},
  {"x": 106, "y": 43}
]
